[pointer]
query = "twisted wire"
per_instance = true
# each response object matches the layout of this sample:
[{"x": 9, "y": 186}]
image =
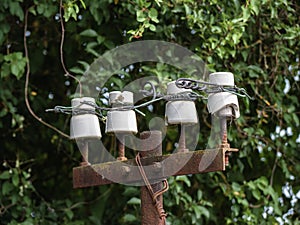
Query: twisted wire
[
  {"x": 184, "y": 96},
  {"x": 159, "y": 207},
  {"x": 209, "y": 88}
]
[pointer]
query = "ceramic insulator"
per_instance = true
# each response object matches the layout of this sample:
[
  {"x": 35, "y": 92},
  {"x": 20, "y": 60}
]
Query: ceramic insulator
[
  {"x": 180, "y": 112},
  {"x": 121, "y": 121},
  {"x": 223, "y": 103},
  {"x": 84, "y": 125}
]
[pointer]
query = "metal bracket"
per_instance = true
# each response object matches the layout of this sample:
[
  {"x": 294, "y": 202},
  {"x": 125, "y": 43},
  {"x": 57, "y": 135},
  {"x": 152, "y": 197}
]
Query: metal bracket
[{"x": 192, "y": 162}]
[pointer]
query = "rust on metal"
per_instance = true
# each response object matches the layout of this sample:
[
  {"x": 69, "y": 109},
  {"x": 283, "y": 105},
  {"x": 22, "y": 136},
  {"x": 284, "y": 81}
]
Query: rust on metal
[
  {"x": 223, "y": 135},
  {"x": 181, "y": 142},
  {"x": 193, "y": 162},
  {"x": 227, "y": 152},
  {"x": 121, "y": 147},
  {"x": 149, "y": 214},
  {"x": 225, "y": 145},
  {"x": 84, "y": 149},
  {"x": 223, "y": 132}
]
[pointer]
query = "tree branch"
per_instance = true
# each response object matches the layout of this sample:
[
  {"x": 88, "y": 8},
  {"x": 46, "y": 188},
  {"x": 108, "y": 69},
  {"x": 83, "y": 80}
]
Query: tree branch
[
  {"x": 67, "y": 74},
  {"x": 27, "y": 83}
]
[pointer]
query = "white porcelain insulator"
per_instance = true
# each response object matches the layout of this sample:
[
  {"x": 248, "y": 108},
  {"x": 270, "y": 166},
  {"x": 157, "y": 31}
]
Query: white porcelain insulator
[
  {"x": 222, "y": 100},
  {"x": 118, "y": 97},
  {"x": 121, "y": 122},
  {"x": 84, "y": 126},
  {"x": 181, "y": 112},
  {"x": 223, "y": 104},
  {"x": 222, "y": 78}
]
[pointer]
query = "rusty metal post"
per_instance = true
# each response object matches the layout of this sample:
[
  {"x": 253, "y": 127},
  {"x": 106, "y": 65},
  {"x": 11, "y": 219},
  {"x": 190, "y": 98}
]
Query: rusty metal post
[
  {"x": 121, "y": 147},
  {"x": 84, "y": 149},
  {"x": 181, "y": 142},
  {"x": 223, "y": 133},
  {"x": 149, "y": 214}
]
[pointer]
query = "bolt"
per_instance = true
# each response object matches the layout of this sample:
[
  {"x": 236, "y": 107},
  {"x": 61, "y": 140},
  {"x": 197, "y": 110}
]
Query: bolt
[
  {"x": 182, "y": 143},
  {"x": 84, "y": 149},
  {"x": 121, "y": 148},
  {"x": 223, "y": 133},
  {"x": 125, "y": 170},
  {"x": 227, "y": 154}
]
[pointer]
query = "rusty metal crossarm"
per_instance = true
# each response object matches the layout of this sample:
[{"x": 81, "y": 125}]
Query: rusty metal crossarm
[{"x": 159, "y": 167}]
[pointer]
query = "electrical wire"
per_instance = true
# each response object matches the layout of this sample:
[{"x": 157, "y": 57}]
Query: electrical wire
[
  {"x": 186, "y": 96},
  {"x": 209, "y": 88}
]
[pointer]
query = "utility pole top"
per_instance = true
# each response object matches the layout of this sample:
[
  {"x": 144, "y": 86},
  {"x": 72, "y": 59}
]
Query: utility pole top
[{"x": 91, "y": 175}]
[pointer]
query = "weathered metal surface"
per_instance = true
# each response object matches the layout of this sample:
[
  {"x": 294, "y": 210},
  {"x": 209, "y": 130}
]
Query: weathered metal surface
[
  {"x": 149, "y": 214},
  {"x": 223, "y": 136},
  {"x": 181, "y": 142},
  {"x": 84, "y": 149},
  {"x": 121, "y": 148},
  {"x": 160, "y": 167}
]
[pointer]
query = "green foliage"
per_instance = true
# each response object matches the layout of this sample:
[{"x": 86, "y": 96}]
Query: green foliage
[
  {"x": 186, "y": 208},
  {"x": 14, "y": 7},
  {"x": 71, "y": 9},
  {"x": 14, "y": 64},
  {"x": 147, "y": 17},
  {"x": 20, "y": 201},
  {"x": 256, "y": 40}
]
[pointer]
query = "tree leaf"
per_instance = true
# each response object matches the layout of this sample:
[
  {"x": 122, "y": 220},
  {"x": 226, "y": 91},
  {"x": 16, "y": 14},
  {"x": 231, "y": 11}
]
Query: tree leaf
[
  {"x": 134, "y": 201},
  {"x": 16, "y": 9},
  {"x": 184, "y": 179},
  {"x": 7, "y": 187},
  {"x": 153, "y": 13},
  {"x": 140, "y": 16},
  {"x": 89, "y": 33},
  {"x": 15, "y": 180},
  {"x": 5, "y": 175},
  {"x": 69, "y": 214},
  {"x": 129, "y": 218},
  {"x": 152, "y": 27}
]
